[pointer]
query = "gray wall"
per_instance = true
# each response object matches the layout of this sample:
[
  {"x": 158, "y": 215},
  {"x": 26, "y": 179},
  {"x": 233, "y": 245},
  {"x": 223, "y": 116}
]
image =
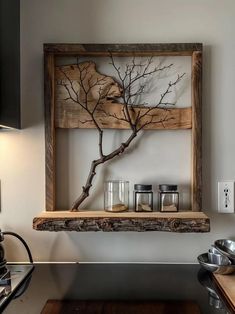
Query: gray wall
[{"x": 22, "y": 176}]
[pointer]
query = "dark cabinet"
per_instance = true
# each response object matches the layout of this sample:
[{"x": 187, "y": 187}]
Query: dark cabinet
[{"x": 10, "y": 63}]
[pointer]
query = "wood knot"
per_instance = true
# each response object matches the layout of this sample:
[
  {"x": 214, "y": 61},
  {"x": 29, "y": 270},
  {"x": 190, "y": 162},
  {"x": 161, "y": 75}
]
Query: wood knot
[{"x": 175, "y": 224}]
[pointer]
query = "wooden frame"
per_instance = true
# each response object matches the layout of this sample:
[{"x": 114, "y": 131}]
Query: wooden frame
[
  {"x": 51, "y": 51},
  {"x": 183, "y": 118}
]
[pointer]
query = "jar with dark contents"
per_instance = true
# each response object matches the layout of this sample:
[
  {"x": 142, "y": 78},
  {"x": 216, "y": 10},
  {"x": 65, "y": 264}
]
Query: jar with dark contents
[
  {"x": 143, "y": 198},
  {"x": 168, "y": 198}
]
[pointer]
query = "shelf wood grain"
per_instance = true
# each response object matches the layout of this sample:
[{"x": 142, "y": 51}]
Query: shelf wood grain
[
  {"x": 82, "y": 221},
  {"x": 226, "y": 285}
]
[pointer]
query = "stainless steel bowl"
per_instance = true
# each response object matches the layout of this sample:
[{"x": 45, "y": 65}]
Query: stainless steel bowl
[
  {"x": 217, "y": 269},
  {"x": 215, "y": 257},
  {"x": 227, "y": 248}
]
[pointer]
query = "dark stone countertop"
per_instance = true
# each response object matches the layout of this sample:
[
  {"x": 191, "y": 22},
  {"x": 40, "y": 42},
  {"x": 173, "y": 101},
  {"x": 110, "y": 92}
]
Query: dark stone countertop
[{"x": 116, "y": 282}]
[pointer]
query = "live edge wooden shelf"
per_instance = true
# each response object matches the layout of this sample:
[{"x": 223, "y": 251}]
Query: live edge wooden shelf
[{"x": 183, "y": 222}]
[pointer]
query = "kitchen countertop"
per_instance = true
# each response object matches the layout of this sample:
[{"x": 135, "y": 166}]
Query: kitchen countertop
[{"x": 120, "y": 284}]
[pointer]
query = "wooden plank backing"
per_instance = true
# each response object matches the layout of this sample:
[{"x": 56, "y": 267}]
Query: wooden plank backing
[
  {"x": 109, "y": 115},
  {"x": 126, "y": 221},
  {"x": 69, "y": 115}
]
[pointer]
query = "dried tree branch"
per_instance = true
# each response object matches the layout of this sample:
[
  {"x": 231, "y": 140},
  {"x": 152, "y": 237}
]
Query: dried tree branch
[
  {"x": 83, "y": 74},
  {"x": 131, "y": 114},
  {"x": 161, "y": 101}
]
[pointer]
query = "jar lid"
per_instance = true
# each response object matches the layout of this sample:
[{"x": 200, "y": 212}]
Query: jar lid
[
  {"x": 143, "y": 187},
  {"x": 168, "y": 187}
]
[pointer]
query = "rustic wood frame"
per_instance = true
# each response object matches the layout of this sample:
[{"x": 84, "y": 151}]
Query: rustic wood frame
[{"x": 51, "y": 51}]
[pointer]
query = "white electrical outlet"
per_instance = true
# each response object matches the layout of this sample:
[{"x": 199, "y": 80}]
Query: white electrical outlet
[{"x": 226, "y": 197}]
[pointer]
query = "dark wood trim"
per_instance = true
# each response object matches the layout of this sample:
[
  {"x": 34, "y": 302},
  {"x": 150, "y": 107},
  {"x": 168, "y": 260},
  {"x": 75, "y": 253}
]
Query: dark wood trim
[
  {"x": 124, "y": 49},
  {"x": 196, "y": 131},
  {"x": 49, "y": 129}
]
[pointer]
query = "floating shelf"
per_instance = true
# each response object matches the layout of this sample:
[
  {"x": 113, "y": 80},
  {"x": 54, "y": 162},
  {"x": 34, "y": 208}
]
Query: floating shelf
[{"x": 183, "y": 222}]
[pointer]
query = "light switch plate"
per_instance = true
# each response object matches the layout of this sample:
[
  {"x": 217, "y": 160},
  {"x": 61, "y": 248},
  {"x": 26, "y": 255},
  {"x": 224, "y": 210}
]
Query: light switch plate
[{"x": 226, "y": 197}]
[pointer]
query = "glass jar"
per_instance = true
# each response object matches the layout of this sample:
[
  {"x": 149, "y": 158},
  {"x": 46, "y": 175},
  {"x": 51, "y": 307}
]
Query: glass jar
[
  {"x": 168, "y": 198},
  {"x": 116, "y": 196},
  {"x": 143, "y": 198}
]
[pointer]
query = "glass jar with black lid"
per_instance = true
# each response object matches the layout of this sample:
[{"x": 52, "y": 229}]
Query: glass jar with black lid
[
  {"x": 143, "y": 198},
  {"x": 168, "y": 198}
]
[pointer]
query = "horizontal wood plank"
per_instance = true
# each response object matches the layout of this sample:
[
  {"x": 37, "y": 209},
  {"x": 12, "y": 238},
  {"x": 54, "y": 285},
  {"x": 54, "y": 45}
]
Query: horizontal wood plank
[
  {"x": 125, "y": 221},
  {"x": 70, "y": 115}
]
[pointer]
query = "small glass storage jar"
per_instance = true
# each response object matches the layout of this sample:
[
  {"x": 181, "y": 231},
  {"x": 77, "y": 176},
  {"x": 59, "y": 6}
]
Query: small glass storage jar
[
  {"x": 168, "y": 198},
  {"x": 116, "y": 196},
  {"x": 143, "y": 198}
]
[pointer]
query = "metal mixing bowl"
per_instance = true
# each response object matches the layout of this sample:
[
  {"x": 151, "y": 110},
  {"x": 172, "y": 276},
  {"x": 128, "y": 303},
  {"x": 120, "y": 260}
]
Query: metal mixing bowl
[
  {"x": 227, "y": 248},
  {"x": 216, "y": 257},
  {"x": 217, "y": 269}
]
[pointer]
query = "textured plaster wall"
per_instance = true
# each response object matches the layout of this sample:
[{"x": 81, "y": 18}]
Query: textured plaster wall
[{"x": 22, "y": 152}]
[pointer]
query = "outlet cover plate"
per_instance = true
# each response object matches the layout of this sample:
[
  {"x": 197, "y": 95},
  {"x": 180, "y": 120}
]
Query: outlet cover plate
[{"x": 226, "y": 197}]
